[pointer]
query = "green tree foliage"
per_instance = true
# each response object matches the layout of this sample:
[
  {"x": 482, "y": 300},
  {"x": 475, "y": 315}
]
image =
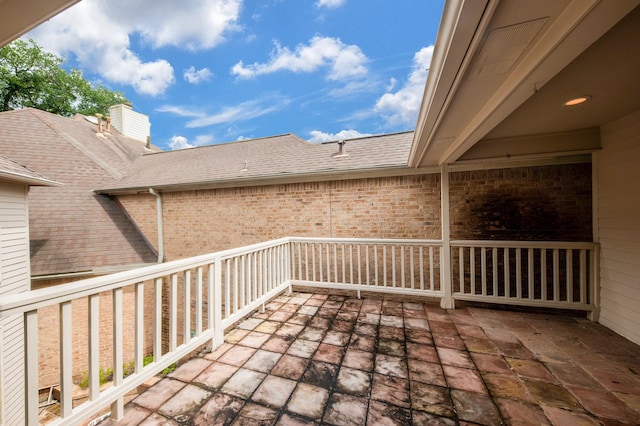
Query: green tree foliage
[{"x": 31, "y": 77}]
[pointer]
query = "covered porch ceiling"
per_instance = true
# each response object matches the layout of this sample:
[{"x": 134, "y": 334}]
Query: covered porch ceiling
[
  {"x": 19, "y": 16},
  {"x": 502, "y": 70}
]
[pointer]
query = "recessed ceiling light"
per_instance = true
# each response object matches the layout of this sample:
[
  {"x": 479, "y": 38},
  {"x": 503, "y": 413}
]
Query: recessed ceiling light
[{"x": 576, "y": 101}]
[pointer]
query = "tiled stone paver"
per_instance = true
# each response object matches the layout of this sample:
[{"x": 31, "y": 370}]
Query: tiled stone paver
[{"x": 317, "y": 359}]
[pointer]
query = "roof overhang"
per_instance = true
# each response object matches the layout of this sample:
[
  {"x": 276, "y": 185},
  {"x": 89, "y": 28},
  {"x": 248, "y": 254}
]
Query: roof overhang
[
  {"x": 501, "y": 68},
  {"x": 19, "y": 16}
]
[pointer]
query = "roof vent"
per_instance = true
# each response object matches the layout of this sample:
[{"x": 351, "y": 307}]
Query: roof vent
[{"x": 342, "y": 150}]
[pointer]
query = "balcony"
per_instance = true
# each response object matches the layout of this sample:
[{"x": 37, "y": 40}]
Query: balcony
[{"x": 367, "y": 358}]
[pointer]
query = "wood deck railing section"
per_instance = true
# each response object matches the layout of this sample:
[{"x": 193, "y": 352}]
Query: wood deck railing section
[{"x": 196, "y": 299}]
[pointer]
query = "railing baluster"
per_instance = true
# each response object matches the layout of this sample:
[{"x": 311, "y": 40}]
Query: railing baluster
[
  {"x": 375, "y": 265},
  {"x": 384, "y": 265},
  {"x": 530, "y": 275},
  {"x": 359, "y": 266},
  {"x": 344, "y": 268},
  {"x": 556, "y": 275},
  {"x": 306, "y": 260},
  {"x": 461, "y": 269},
  {"x": 227, "y": 288},
  {"x": 432, "y": 269},
  {"x": 173, "y": 313},
  {"x": 393, "y": 265},
  {"x": 94, "y": 346},
  {"x": 117, "y": 406},
  {"x": 543, "y": 273},
  {"x": 32, "y": 369},
  {"x": 483, "y": 270},
  {"x": 472, "y": 272},
  {"x": 402, "y": 274},
  {"x": 313, "y": 261},
  {"x": 494, "y": 258},
  {"x": 507, "y": 272},
  {"x": 66, "y": 360},
  {"x": 199, "y": 300},
  {"x": 583, "y": 276},
  {"x": 186, "y": 315},
  {"x": 328, "y": 263},
  {"x": 335, "y": 262},
  {"x": 215, "y": 271},
  {"x": 412, "y": 267},
  {"x": 157, "y": 320},
  {"x": 366, "y": 263},
  {"x": 518, "y": 273},
  {"x": 235, "y": 283},
  {"x": 211, "y": 302},
  {"x": 320, "y": 263},
  {"x": 139, "y": 328},
  {"x": 243, "y": 281},
  {"x": 569, "y": 263},
  {"x": 421, "y": 266}
]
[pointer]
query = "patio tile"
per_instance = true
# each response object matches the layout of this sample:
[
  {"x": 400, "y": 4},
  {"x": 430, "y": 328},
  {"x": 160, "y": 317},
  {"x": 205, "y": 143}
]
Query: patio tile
[
  {"x": 274, "y": 391},
  {"x": 337, "y": 338},
  {"x": 281, "y": 316},
  {"x": 289, "y": 330},
  {"x": 159, "y": 393},
  {"x": 491, "y": 363},
  {"x": 290, "y": 367},
  {"x": 471, "y": 331},
  {"x": 235, "y": 335},
  {"x": 218, "y": 352},
  {"x": 237, "y": 355},
  {"x": 392, "y": 390},
  {"x": 420, "y": 418},
  {"x": 366, "y": 329},
  {"x": 560, "y": 417},
  {"x": 432, "y": 399},
  {"x": 243, "y": 383},
  {"x": 475, "y": 407},
  {"x": 216, "y": 375},
  {"x": 368, "y": 318},
  {"x": 531, "y": 369},
  {"x": 426, "y": 372},
  {"x": 268, "y": 327},
  {"x": 327, "y": 314},
  {"x": 133, "y": 415},
  {"x": 391, "y": 347},
  {"x": 314, "y": 302},
  {"x": 329, "y": 353},
  {"x": 362, "y": 343},
  {"x": 190, "y": 369},
  {"x": 446, "y": 341},
  {"x": 477, "y": 345},
  {"x": 507, "y": 386},
  {"x": 412, "y": 306},
  {"x": 254, "y": 339},
  {"x": 391, "y": 366},
  {"x": 381, "y": 414},
  {"x": 262, "y": 361},
  {"x": 464, "y": 379},
  {"x": 455, "y": 358},
  {"x": 416, "y": 323},
  {"x": 313, "y": 334},
  {"x": 303, "y": 348},
  {"x": 250, "y": 323},
  {"x": 346, "y": 410},
  {"x": 333, "y": 304},
  {"x": 321, "y": 374},
  {"x": 352, "y": 305},
  {"x": 218, "y": 410},
  {"x": 319, "y": 322},
  {"x": 157, "y": 420},
  {"x": 184, "y": 402},
  {"x": 255, "y": 415},
  {"x": 514, "y": 350},
  {"x": 291, "y": 420},
  {"x": 445, "y": 328},
  {"x": 391, "y": 333},
  {"x": 308, "y": 310},
  {"x": 353, "y": 382},
  {"x": 552, "y": 394},
  {"x": 346, "y": 316},
  {"x": 419, "y": 336},
  {"x": 308, "y": 400},
  {"x": 360, "y": 360},
  {"x": 371, "y": 306},
  {"x": 519, "y": 413},
  {"x": 422, "y": 352},
  {"x": 496, "y": 334},
  {"x": 278, "y": 344},
  {"x": 604, "y": 404},
  {"x": 391, "y": 321}
]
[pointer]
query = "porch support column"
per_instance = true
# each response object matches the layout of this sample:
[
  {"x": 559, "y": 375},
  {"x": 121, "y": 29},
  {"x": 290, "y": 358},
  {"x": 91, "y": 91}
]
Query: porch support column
[
  {"x": 594, "y": 285},
  {"x": 446, "y": 283}
]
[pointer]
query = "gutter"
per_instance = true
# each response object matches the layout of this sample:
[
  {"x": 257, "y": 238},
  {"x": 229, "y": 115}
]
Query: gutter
[{"x": 159, "y": 221}]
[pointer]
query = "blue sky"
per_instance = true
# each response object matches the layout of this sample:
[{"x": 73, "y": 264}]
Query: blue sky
[{"x": 214, "y": 71}]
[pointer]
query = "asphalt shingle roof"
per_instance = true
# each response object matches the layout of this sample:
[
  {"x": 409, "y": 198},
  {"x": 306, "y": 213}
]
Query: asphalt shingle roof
[
  {"x": 271, "y": 157},
  {"x": 11, "y": 170},
  {"x": 71, "y": 228}
]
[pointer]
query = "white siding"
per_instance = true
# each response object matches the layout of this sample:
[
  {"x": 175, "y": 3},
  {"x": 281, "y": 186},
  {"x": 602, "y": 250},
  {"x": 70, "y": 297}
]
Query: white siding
[
  {"x": 14, "y": 278},
  {"x": 618, "y": 208},
  {"x": 130, "y": 123}
]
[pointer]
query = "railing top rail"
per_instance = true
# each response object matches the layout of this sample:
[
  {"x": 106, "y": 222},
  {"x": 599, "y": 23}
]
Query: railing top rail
[
  {"x": 386, "y": 241},
  {"x": 23, "y": 302},
  {"x": 524, "y": 244}
]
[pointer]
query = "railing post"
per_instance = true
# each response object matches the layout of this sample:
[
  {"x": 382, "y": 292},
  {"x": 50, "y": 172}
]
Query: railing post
[
  {"x": 594, "y": 284},
  {"x": 31, "y": 367},
  {"x": 446, "y": 281},
  {"x": 218, "y": 332}
]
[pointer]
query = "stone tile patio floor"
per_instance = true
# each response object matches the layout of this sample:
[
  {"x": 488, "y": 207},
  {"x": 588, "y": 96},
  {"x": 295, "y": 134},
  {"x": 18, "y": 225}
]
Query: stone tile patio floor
[{"x": 335, "y": 360}]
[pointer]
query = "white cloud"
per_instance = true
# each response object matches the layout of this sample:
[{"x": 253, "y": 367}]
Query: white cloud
[
  {"x": 331, "y": 4},
  {"x": 202, "y": 140},
  {"x": 345, "y": 61},
  {"x": 98, "y": 33},
  {"x": 318, "y": 136},
  {"x": 197, "y": 77},
  {"x": 241, "y": 112},
  {"x": 179, "y": 142},
  {"x": 402, "y": 106}
]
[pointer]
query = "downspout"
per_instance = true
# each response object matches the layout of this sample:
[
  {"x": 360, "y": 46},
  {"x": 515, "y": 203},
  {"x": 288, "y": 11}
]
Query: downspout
[{"x": 159, "y": 220}]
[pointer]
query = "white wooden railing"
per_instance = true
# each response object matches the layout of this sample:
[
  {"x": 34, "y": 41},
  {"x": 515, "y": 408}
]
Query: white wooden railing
[
  {"x": 549, "y": 274},
  {"x": 409, "y": 267},
  {"x": 221, "y": 287},
  {"x": 180, "y": 306}
]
